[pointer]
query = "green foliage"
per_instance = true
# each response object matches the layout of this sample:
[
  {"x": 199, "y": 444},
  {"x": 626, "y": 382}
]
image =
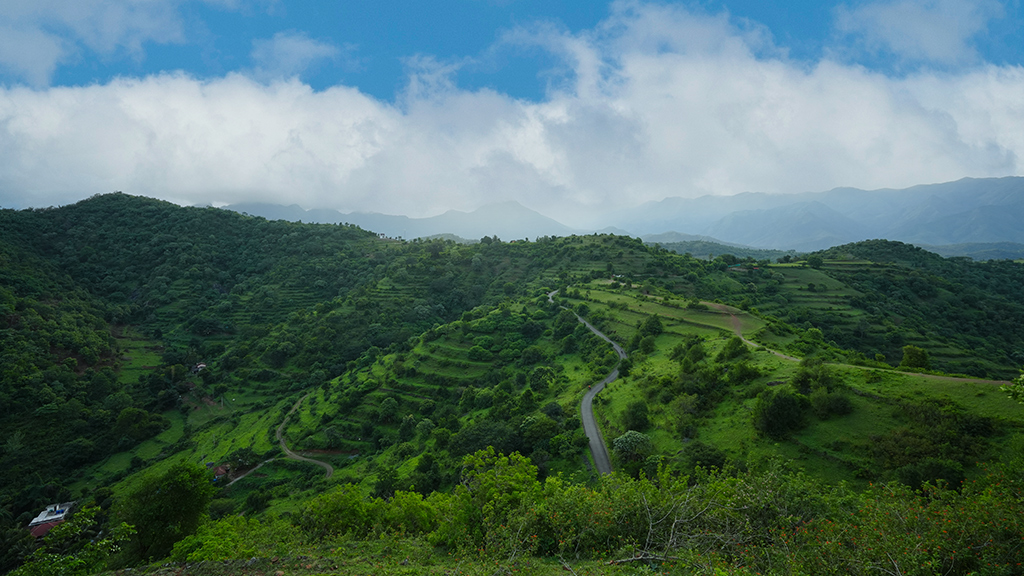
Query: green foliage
[
  {"x": 651, "y": 326},
  {"x": 75, "y": 547},
  {"x": 1015, "y": 390},
  {"x": 827, "y": 404},
  {"x": 742, "y": 373},
  {"x": 914, "y": 357},
  {"x": 734, "y": 348},
  {"x": 970, "y": 530},
  {"x": 935, "y": 437},
  {"x": 911, "y": 294},
  {"x": 240, "y": 537},
  {"x": 635, "y": 416},
  {"x": 779, "y": 412},
  {"x": 388, "y": 410},
  {"x": 647, "y": 345},
  {"x": 387, "y": 481},
  {"x": 631, "y": 450},
  {"x": 342, "y": 510},
  {"x": 345, "y": 510},
  {"x": 784, "y": 521},
  {"x": 704, "y": 455},
  {"x": 408, "y": 371},
  {"x": 813, "y": 374},
  {"x": 479, "y": 354},
  {"x": 488, "y": 509},
  {"x": 164, "y": 509}
]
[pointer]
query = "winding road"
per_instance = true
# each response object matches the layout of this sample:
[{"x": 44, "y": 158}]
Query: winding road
[
  {"x": 293, "y": 455},
  {"x": 598, "y": 448}
]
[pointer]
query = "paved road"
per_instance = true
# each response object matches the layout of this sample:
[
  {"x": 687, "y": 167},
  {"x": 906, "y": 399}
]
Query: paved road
[
  {"x": 250, "y": 471},
  {"x": 293, "y": 455},
  {"x": 598, "y": 448}
]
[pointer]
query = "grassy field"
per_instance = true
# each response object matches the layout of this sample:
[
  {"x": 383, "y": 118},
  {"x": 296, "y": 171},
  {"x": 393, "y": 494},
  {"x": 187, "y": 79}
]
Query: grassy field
[
  {"x": 139, "y": 355},
  {"x": 834, "y": 449}
]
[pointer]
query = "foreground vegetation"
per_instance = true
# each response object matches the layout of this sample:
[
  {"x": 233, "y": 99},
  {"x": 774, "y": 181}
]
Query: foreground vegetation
[
  {"x": 436, "y": 389},
  {"x": 500, "y": 518}
]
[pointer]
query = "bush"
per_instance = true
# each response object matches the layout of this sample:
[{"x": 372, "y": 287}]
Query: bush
[
  {"x": 635, "y": 416},
  {"x": 826, "y": 404},
  {"x": 742, "y": 373},
  {"x": 931, "y": 470},
  {"x": 234, "y": 537},
  {"x": 914, "y": 357},
  {"x": 734, "y": 348},
  {"x": 704, "y": 455},
  {"x": 343, "y": 510},
  {"x": 813, "y": 373},
  {"x": 779, "y": 412},
  {"x": 478, "y": 354}
]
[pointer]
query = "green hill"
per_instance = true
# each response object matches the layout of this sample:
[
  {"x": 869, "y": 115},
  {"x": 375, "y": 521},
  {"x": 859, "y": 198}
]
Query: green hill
[{"x": 141, "y": 339}]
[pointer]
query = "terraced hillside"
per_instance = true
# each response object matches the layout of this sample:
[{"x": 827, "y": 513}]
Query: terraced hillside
[
  {"x": 140, "y": 337},
  {"x": 701, "y": 391}
]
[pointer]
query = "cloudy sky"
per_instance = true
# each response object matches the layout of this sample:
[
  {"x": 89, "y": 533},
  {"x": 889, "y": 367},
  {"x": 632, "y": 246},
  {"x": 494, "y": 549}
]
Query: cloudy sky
[{"x": 572, "y": 108}]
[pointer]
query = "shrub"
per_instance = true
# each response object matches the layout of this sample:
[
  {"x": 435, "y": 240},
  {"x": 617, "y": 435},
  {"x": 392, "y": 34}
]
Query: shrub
[
  {"x": 734, "y": 348},
  {"x": 779, "y": 412},
  {"x": 478, "y": 354},
  {"x": 826, "y": 404},
  {"x": 914, "y": 357},
  {"x": 635, "y": 416}
]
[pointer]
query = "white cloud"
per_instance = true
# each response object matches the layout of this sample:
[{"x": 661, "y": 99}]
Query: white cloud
[
  {"x": 916, "y": 31},
  {"x": 30, "y": 53},
  {"x": 36, "y": 36},
  {"x": 661, "y": 102},
  {"x": 289, "y": 54}
]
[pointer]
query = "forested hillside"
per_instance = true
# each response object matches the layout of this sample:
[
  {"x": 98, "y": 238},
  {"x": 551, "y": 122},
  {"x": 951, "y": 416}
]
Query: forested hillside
[{"x": 434, "y": 390}]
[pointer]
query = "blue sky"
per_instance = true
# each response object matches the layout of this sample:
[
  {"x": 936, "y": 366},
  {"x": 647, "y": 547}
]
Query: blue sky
[
  {"x": 572, "y": 108},
  {"x": 369, "y": 44}
]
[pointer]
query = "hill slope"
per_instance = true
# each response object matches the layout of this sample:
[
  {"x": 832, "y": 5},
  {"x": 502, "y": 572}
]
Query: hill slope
[{"x": 140, "y": 337}]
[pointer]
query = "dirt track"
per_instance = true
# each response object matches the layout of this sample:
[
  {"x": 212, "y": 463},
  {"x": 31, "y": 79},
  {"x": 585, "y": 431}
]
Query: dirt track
[
  {"x": 293, "y": 455},
  {"x": 737, "y": 328}
]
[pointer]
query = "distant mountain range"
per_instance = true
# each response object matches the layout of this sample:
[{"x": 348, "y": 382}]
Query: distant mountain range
[
  {"x": 979, "y": 216},
  {"x": 507, "y": 220},
  {"x": 966, "y": 211}
]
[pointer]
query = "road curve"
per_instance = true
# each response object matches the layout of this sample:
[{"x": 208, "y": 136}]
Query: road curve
[
  {"x": 598, "y": 448},
  {"x": 293, "y": 455}
]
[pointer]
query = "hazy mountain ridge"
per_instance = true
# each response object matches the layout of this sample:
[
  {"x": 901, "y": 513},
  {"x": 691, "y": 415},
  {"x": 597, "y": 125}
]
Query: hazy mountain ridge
[
  {"x": 966, "y": 211},
  {"x": 507, "y": 220}
]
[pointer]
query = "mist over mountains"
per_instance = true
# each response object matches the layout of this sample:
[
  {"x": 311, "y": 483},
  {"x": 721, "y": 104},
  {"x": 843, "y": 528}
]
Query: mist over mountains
[
  {"x": 507, "y": 220},
  {"x": 967, "y": 211}
]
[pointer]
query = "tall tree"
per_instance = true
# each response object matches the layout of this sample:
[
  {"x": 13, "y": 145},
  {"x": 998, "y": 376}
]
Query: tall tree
[{"x": 164, "y": 509}]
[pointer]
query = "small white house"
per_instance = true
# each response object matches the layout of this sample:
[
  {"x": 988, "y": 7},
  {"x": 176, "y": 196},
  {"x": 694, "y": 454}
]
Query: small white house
[{"x": 51, "y": 516}]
